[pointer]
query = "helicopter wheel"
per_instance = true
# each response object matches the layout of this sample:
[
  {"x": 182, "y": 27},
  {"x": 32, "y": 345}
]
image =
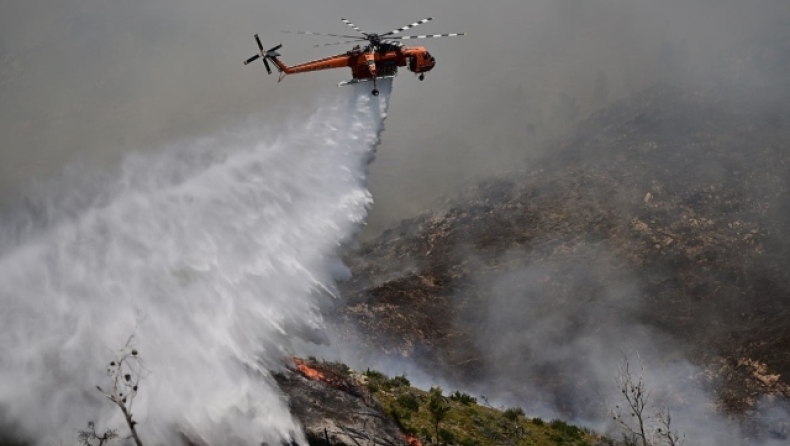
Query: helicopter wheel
[
  {"x": 375, "y": 92},
  {"x": 422, "y": 77}
]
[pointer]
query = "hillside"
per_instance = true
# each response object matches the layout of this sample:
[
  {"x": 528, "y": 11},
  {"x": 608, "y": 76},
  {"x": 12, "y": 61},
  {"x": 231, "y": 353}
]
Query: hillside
[
  {"x": 658, "y": 227},
  {"x": 340, "y": 407}
]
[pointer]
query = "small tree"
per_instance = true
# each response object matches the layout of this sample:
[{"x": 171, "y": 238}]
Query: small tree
[
  {"x": 642, "y": 423},
  {"x": 513, "y": 413},
  {"x": 125, "y": 373},
  {"x": 665, "y": 432},
  {"x": 438, "y": 407}
]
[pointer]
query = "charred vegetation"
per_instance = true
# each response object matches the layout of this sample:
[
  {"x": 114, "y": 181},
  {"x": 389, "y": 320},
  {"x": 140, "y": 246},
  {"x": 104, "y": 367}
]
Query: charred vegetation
[{"x": 664, "y": 216}]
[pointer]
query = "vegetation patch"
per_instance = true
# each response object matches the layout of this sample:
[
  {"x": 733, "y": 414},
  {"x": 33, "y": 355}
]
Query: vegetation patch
[{"x": 456, "y": 419}]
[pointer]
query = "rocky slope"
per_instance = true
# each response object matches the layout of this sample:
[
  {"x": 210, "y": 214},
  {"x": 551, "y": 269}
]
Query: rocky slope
[
  {"x": 340, "y": 407},
  {"x": 335, "y": 406}
]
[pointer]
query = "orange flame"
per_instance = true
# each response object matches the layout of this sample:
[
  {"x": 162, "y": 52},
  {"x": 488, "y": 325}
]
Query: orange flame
[
  {"x": 412, "y": 441},
  {"x": 308, "y": 371},
  {"x": 326, "y": 374}
]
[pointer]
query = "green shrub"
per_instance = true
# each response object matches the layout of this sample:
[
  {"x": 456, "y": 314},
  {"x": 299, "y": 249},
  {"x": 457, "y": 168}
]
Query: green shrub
[
  {"x": 399, "y": 381},
  {"x": 463, "y": 398},
  {"x": 557, "y": 439},
  {"x": 395, "y": 414},
  {"x": 446, "y": 436},
  {"x": 566, "y": 429},
  {"x": 373, "y": 374},
  {"x": 425, "y": 433},
  {"x": 409, "y": 429},
  {"x": 467, "y": 441},
  {"x": 337, "y": 368},
  {"x": 401, "y": 417},
  {"x": 513, "y": 413},
  {"x": 538, "y": 421},
  {"x": 409, "y": 401},
  {"x": 384, "y": 382}
]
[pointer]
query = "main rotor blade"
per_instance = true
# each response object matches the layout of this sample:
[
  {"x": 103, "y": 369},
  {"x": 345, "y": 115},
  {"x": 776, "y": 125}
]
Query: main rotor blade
[
  {"x": 400, "y": 30},
  {"x": 392, "y": 42},
  {"x": 341, "y": 43},
  {"x": 266, "y": 64},
  {"x": 354, "y": 27},
  {"x": 252, "y": 59},
  {"x": 429, "y": 36},
  {"x": 310, "y": 33},
  {"x": 260, "y": 46}
]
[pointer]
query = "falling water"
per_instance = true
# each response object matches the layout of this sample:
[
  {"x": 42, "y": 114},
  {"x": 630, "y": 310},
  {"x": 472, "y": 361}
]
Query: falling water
[{"x": 216, "y": 254}]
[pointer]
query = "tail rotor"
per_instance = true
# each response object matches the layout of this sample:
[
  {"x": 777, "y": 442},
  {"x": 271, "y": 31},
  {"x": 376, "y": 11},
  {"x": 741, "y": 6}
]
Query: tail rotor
[{"x": 266, "y": 55}]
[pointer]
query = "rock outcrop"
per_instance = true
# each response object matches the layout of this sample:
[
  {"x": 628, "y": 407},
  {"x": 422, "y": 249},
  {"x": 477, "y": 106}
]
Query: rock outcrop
[{"x": 335, "y": 407}]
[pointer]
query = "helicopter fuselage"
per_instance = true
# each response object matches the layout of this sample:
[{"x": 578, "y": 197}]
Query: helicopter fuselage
[{"x": 365, "y": 64}]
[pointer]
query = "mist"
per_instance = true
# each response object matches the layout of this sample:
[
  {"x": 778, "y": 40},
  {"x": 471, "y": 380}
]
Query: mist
[
  {"x": 557, "y": 352},
  {"x": 214, "y": 253}
]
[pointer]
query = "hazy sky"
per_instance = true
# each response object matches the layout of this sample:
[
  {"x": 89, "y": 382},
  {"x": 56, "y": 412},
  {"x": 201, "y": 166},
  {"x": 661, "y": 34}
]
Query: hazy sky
[{"x": 88, "y": 80}]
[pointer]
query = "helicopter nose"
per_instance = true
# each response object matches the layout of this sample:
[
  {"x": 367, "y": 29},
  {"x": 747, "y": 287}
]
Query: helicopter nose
[{"x": 431, "y": 62}]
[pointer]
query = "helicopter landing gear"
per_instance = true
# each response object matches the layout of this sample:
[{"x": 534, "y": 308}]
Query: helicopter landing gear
[
  {"x": 375, "y": 92},
  {"x": 422, "y": 77}
]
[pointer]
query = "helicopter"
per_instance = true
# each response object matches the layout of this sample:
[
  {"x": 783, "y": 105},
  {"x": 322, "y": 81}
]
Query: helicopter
[{"x": 378, "y": 59}]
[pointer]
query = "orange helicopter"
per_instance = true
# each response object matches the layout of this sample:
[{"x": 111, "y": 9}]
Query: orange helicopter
[{"x": 379, "y": 59}]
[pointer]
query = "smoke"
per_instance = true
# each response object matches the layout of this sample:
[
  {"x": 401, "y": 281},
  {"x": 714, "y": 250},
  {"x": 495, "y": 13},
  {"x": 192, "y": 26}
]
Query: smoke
[
  {"x": 216, "y": 253},
  {"x": 551, "y": 334},
  {"x": 136, "y": 73}
]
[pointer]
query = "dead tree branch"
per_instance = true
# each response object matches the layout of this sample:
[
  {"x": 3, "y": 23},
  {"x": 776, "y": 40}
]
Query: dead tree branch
[
  {"x": 125, "y": 373},
  {"x": 641, "y": 422}
]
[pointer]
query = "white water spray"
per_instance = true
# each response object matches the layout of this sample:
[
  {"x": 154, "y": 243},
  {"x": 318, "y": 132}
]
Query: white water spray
[{"x": 222, "y": 247}]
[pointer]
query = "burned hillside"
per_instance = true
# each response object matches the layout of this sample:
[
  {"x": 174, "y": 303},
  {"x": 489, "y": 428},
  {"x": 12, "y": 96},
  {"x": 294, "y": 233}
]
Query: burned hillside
[{"x": 659, "y": 227}]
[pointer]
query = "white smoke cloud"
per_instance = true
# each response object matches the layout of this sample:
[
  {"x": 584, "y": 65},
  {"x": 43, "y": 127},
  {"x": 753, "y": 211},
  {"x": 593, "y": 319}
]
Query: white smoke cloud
[
  {"x": 220, "y": 248},
  {"x": 559, "y": 359}
]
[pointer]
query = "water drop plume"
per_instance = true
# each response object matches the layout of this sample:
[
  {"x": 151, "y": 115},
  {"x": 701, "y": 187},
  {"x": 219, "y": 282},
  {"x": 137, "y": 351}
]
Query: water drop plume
[{"x": 216, "y": 253}]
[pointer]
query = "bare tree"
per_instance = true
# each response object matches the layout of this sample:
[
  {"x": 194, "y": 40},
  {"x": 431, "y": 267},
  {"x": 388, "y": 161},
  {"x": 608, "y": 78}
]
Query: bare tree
[
  {"x": 125, "y": 373},
  {"x": 642, "y": 423},
  {"x": 636, "y": 397},
  {"x": 672, "y": 438}
]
